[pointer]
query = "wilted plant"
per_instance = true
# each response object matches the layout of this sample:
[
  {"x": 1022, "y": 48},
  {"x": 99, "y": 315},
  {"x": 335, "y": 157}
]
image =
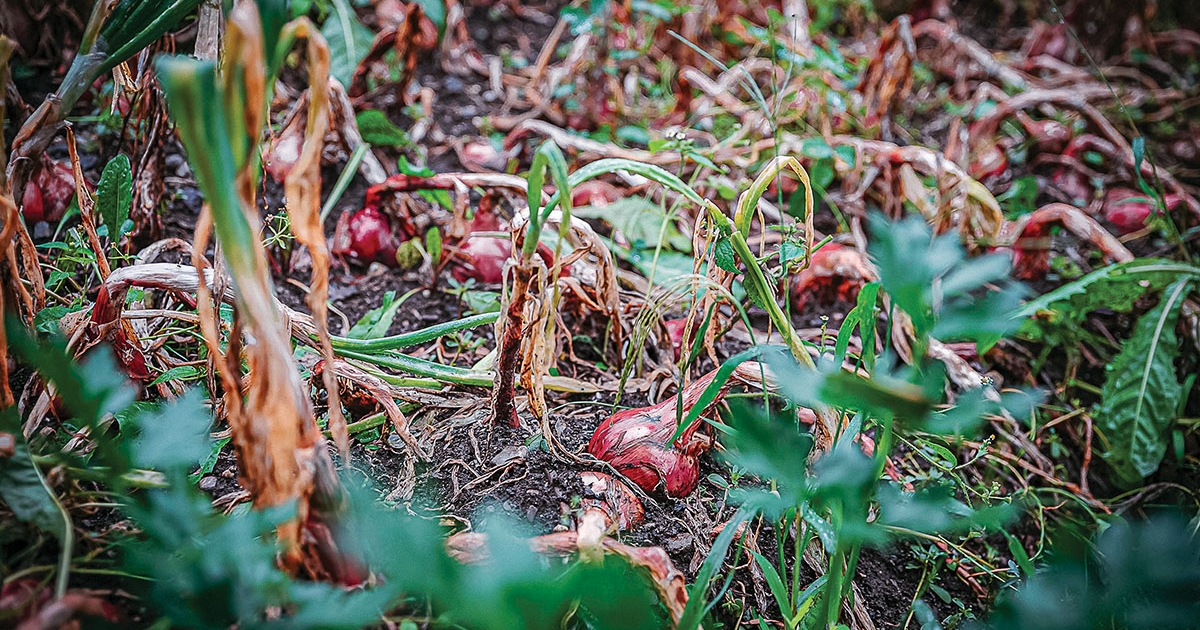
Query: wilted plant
[
  {"x": 220, "y": 116},
  {"x": 523, "y": 319}
]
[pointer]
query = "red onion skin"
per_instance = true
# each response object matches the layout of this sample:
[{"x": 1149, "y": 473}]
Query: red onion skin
[
  {"x": 990, "y": 161},
  {"x": 49, "y": 193},
  {"x": 366, "y": 235},
  {"x": 1128, "y": 210},
  {"x": 835, "y": 273},
  {"x": 635, "y": 442},
  {"x": 1051, "y": 136},
  {"x": 614, "y": 498},
  {"x": 675, "y": 329}
]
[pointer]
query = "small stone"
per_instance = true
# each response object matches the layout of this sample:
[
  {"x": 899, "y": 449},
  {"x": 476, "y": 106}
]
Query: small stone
[
  {"x": 679, "y": 543},
  {"x": 453, "y": 85},
  {"x": 208, "y": 483},
  {"x": 41, "y": 231}
]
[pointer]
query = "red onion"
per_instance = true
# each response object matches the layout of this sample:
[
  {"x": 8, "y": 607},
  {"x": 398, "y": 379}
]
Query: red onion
[
  {"x": 1128, "y": 210},
  {"x": 482, "y": 258},
  {"x": 636, "y": 441},
  {"x": 49, "y": 192},
  {"x": 612, "y": 497},
  {"x": 836, "y": 273},
  {"x": 595, "y": 192},
  {"x": 365, "y": 235}
]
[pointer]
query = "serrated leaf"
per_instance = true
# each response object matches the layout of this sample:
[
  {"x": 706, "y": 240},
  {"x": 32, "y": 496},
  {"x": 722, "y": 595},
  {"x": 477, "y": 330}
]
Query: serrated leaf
[
  {"x": 724, "y": 257},
  {"x": 348, "y": 40},
  {"x": 1114, "y": 288},
  {"x": 114, "y": 195},
  {"x": 1138, "y": 400}
]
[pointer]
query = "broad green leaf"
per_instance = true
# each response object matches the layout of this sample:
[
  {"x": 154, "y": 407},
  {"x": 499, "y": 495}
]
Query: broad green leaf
[
  {"x": 1138, "y": 400},
  {"x": 724, "y": 257},
  {"x": 114, "y": 195},
  {"x": 376, "y": 129},
  {"x": 349, "y": 41},
  {"x": 641, "y": 222},
  {"x": 30, "y": 498}
]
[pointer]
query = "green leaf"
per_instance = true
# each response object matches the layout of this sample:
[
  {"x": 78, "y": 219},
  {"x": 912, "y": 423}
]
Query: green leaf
[
  {"x": 114, "y": 195},
  {"x": 816, "y": 148},
  {"x": 22, "y": 485},
  {"x": 349, "y": 41},
  {"x": 1138, "y": 399},
  {"x": 377, "y": 321},
  {"x": 30, "y": 498},
  {"x": 376, "y": 129},
  {"x": 46, "y": 320},
  {"x": 778, "y": 590},
  {"x": 1114, "y": 288},
  {"x": 179, "y": 372},
  {"x": 861, "y": 316},
  {"x": 724, "y": 257},
  {"x": 698, "y": 592},
  {"x": 641, "y": 222},
  {"x": 433, "y": 245}
]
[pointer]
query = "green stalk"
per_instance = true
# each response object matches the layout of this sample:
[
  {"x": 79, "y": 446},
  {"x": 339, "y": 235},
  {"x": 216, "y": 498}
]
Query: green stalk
[
  {"x": 833, "y": 587},
  {"x": 416, "y": 337},
  {"x": 343, "y": 181},
  {"x": 421, "y": 367}
]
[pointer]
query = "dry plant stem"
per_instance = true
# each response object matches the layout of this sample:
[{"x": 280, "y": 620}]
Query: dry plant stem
[
  {"x": 1075, "y": 221},
  {"x": 795, "y": 12},
  {"x": 381, "y": 392},
  {"x": 87, "y": 208},
  {"x": 11, "y": 218},
  {"x": 972, "y": 49},
  {"x": 510, "y": 344},
  {"x": 303, "y": 190},
  {"x": 43, "y": 125},
  {"x": 208, "y": 30}
]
